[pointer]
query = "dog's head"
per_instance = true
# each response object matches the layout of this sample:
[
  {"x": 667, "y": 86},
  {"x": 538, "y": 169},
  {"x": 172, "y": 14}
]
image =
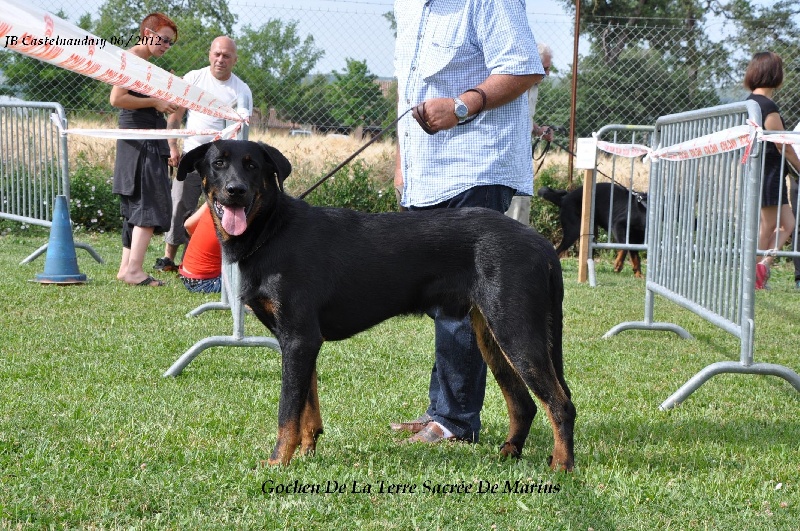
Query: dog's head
[{"x": 240, "y": 180}]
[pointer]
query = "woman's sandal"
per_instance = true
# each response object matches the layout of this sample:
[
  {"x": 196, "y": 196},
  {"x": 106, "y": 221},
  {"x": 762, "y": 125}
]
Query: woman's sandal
[{"x": 149, "y": 282}]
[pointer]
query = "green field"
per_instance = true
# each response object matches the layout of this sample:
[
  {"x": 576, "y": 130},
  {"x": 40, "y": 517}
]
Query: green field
[{"x": 92, "y": 436}]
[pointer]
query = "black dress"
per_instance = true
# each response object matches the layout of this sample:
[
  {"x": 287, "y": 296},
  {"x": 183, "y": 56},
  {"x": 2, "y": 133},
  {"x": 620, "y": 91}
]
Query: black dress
[
  {"x": 773, "y": 177},
  {"x": 141, "y": 176}
]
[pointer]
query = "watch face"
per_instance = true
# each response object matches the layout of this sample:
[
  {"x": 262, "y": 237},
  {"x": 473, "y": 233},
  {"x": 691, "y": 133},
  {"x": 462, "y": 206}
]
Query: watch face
[{"x": 461, "y": 109}]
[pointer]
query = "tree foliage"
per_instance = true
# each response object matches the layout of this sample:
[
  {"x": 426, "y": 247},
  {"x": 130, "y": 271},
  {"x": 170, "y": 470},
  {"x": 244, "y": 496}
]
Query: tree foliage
[
  {"x": 770, "y": 27},
  {"x": 40, "y": 81},
  {"x": 274, "y": 59},
  {"x": 363, "y": 102},
  {"x": 663, "y": 55}
]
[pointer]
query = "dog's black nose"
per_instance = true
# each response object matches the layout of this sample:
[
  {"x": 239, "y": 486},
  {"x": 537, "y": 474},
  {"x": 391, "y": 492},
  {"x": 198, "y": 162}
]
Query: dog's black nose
[{"x": 235, "y": 189}]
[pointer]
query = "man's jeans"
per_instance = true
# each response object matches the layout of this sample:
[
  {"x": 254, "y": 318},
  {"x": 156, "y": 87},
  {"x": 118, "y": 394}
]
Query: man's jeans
[{"x": 458, "y": 378}]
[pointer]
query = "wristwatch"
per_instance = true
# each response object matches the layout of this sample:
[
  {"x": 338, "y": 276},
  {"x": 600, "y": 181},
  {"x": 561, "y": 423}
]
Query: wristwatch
[{"x": 461, "y": 109}]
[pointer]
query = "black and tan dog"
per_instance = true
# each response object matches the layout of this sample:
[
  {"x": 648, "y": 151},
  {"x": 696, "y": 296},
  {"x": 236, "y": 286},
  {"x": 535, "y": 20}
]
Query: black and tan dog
[
  {"x": 315, "y": 274},
  {"x": 608, "y": 197}
]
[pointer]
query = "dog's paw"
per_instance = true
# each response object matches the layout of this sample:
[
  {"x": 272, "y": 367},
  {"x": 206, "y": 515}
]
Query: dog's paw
[
  {"x": 507, "y": 449},
  {"x": 558, "y": 466}
]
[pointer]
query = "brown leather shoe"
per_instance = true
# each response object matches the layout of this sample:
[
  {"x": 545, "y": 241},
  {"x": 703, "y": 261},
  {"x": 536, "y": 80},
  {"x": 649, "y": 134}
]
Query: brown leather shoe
[
  {"x": 431, "y": 434},
  {"x": 414, "y": 426}
]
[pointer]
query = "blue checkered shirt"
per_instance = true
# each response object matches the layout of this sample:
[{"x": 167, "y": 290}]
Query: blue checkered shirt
[{"x": 443, "y": 48}]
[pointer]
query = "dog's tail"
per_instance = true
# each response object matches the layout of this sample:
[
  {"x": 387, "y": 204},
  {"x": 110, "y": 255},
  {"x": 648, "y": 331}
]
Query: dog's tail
[{"x": 548, "y": 194}]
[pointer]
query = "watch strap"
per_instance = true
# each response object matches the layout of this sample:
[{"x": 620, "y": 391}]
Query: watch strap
[{"x": 480, "y": 110}]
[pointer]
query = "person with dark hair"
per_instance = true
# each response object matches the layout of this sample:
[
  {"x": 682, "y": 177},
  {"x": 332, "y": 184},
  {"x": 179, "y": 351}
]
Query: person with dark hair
[
  {"x": 141, "y": 178},
  {"x": 764, "y": 75}
]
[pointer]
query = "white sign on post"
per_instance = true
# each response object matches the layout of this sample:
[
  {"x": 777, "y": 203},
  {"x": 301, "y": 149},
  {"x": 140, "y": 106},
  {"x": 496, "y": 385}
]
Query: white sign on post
[{"x": 586, "y": 157}]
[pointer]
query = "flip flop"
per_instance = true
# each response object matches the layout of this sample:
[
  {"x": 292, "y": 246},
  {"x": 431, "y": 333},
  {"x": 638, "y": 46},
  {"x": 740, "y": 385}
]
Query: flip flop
[{"x": 149, "y": 282}]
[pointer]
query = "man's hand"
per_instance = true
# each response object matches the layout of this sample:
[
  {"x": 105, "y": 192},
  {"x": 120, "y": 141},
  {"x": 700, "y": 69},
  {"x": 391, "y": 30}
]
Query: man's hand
[
  {"x": 544, "y": 132},
  {"x": 174, "y": 156},
  {"x": 439, "y": 114}
]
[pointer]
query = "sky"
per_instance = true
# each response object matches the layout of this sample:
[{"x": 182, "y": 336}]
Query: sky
[
  {"x": 339, "y": 26},
  {"x": 333, "y": 25}
]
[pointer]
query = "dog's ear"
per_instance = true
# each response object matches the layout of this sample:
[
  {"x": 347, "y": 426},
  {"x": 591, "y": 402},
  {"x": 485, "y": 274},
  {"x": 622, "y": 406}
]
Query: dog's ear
[
  {"x": 281, "y": 163},
  {"x": 189, "y": 161}
]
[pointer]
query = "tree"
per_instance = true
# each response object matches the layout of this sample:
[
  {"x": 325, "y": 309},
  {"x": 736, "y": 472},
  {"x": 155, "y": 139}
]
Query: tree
[
  {"x": 668, "y": 90},
  {"x": 647, "y": 59},
  {"x": 355, "y": 98},
  {"x": 775, "y": 28},
  {"x": 198, "y": 21},
  {"x": 274, "y": 60},
  {"x": 36, "y": 80}
]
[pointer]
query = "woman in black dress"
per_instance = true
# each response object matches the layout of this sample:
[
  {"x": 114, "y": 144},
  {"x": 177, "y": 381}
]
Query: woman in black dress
[
  {"x": 763, "y": 77},
  {"x": 140, "y": 171}
]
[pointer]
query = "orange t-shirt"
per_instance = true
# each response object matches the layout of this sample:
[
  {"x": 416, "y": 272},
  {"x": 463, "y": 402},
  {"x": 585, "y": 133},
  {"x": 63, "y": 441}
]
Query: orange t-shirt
[{"x": 203, "y": 257}]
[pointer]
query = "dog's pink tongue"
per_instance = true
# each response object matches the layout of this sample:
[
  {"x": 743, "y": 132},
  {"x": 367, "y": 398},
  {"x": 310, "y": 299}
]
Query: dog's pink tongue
[{"x": 233, "y": 220}]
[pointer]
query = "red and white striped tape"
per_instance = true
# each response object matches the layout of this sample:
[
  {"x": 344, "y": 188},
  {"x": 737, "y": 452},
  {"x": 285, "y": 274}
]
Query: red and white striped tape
[
  {"x": 149, "y": 134},
  {"x": 623, "y": 150},
  {"x": 44, "y": 36},
  {"x": 742, "y": 136}
]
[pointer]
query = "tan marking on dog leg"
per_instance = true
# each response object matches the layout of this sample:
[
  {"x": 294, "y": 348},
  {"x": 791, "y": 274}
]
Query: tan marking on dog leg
[
  {"x": 288, "y": 440},
  {"x": 269, "y": 306},
  {"x": 562, "y": 422},
  {"x": 310, "y": 420},
  {"x": 636, "y": 262},
  {"x": 546, "y": 387},
  {"x": 619, "y": 261},
  {"x": 520, "y": 405}
]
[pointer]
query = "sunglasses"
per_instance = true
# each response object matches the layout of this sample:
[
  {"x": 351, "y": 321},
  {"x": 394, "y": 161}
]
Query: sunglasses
[{"x": 165, "y": 41}]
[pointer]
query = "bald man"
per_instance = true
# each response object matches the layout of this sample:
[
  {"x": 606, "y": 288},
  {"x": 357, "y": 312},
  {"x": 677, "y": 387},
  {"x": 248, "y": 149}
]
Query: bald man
[{"x": 218, "y": 79}]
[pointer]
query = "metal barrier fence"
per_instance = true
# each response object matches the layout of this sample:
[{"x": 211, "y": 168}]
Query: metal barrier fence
[
  {"x": 703, "y": 218},
  {"x": 793, "y": 198},
  {"x": 34, "y": 165},
  {"x": 625, "y": 172},
  {"x": 230, "y": 299}
]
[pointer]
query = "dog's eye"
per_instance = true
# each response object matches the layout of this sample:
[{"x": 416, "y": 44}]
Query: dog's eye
[
  {"x": 250, "y": 165},
  {"x": 218, "y": 163}
]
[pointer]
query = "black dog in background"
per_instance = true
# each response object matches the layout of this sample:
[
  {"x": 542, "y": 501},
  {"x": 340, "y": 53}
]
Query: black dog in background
[
  {"x": 571, "y": 206},
  {"x": 314, "y": 274}
]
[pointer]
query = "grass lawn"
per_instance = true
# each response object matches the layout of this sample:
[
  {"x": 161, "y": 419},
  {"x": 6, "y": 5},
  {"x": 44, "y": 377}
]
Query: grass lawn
[{"x": 92, "y": 436}]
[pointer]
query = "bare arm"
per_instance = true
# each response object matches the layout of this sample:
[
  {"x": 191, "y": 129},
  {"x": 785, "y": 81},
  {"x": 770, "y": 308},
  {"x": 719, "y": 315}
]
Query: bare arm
[
  {"x": 773, "y": 122},
  {"x": 191, "y": 222},
  {"x": 499, "y": 88},
  {"x": 121, "y": 99},
  {"x": 174, "y": 122}
]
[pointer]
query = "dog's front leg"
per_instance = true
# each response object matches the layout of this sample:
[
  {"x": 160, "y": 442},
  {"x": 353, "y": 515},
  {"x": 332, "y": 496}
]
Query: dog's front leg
[
  {"x": 299, "y": 359},
  {"x": 310, "y": 420}
]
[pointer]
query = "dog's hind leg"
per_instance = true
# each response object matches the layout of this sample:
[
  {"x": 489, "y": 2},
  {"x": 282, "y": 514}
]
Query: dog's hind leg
[
  {"x": 636, "y": 263},
  {"x": 571, "y": 229},
  {"x": 521, "y": 407},
  {"x": 535, "y": 358},
  {"x": 310, "y": 420},
  {"x": 619, "y": 261}
]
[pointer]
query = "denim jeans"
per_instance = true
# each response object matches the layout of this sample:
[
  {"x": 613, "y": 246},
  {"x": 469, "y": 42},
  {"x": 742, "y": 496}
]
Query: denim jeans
[
  {"x": 206, "y": 285},
  {"x": 458, "y": 378}
]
